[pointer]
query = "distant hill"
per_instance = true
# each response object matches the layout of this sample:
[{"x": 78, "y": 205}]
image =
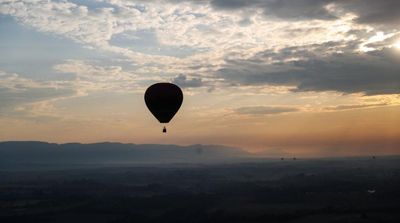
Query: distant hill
[{"x": 31, "y": 152}]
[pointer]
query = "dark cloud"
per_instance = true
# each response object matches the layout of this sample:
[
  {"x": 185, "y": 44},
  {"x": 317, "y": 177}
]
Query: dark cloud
[
  {"x": 183, "y": 82},
  {"x": 306, "y": 51},
  {"x": 381, "y": 12},
  {"x": 372, "y": 73},
  {"x": 284, "y": 9},
  {"x": 377, "y": 12},
  {"x": 264, "y": 110}
]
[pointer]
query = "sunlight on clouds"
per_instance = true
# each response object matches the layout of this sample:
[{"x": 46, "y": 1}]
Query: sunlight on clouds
[
  {"x": 183, "y": 24},
  {"x": 91, "y": 77},
  {"x": 379, "y": 37},
  {"x": 397, "y": 45}
]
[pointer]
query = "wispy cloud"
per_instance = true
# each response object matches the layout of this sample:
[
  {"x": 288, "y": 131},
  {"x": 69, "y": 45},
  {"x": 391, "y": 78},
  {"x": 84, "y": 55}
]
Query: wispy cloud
[
  {"x": 265, "y": 110},
  {"x": 184, "y": 82},
  {"x": 18, "y": 92},
  {"x": 353, "y": 106},
  {"x": 90, "y": 77}
]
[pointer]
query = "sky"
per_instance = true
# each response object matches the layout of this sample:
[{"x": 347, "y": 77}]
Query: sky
[{"x": 277, "y": 77}]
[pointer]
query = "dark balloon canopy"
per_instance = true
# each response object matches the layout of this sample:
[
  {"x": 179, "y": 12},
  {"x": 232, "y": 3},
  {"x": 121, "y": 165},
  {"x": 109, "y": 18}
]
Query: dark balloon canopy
[{"x": 163, "y": 100}]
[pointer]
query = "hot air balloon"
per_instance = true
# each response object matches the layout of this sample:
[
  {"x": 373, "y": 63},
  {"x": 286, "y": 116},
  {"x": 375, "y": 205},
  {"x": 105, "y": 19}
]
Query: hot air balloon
[{"x": 163, "y": 100}]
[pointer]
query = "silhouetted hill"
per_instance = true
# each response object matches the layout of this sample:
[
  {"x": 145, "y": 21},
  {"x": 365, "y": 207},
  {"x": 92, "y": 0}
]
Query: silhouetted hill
[{"x": 30, "y": 152}]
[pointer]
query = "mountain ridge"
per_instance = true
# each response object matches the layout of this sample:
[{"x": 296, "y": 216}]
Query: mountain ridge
[{"x": 113, "y": 152}]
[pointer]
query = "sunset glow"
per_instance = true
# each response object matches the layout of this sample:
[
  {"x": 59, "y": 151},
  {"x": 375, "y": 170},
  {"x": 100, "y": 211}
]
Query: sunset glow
[{"x": 397, "y": 45}]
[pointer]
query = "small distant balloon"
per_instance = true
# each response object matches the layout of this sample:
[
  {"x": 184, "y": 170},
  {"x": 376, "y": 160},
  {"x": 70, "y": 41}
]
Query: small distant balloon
[{"x": 163, "y": 100}]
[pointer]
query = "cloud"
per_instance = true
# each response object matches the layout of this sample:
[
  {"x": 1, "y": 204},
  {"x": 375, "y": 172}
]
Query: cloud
[
  {"x": 382, "y": 12},
  {"x": 91, "y": 77},
  {"x": 28, "y": 98},
  {"x": 177, "y": 23},
  {"x": 214, "y": 31},
  {"x": 373, "y": 12},
  {"x": 17, "y": 92},
  {"x": 90, "y": 26},
  {"x": 353, "y": 106},
  {"x": 182, "y": 81},
  {"x": 284, "y": 9},
  {"x": 264, "y": 110},
  {"x": 372, "y": 73},
  {"x": 63, "y": 18}
]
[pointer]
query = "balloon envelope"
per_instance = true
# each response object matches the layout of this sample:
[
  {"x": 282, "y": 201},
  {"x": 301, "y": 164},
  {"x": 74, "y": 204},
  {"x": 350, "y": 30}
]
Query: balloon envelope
[{"x": 163, "y": 100}]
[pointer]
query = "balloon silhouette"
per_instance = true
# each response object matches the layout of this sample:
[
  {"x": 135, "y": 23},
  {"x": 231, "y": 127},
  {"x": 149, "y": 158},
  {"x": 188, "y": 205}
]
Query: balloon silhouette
[{"x": 163, "y": 100}]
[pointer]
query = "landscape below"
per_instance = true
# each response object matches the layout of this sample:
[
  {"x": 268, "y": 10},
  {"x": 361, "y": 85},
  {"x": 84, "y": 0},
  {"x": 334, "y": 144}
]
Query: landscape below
[{"x": 96, "y": 183}]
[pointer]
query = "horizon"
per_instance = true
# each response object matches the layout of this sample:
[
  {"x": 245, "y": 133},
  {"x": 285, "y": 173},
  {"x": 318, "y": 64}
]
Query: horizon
[
  {"x": 311, "y": 78},
  {"x": 249, "y": 154}
]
